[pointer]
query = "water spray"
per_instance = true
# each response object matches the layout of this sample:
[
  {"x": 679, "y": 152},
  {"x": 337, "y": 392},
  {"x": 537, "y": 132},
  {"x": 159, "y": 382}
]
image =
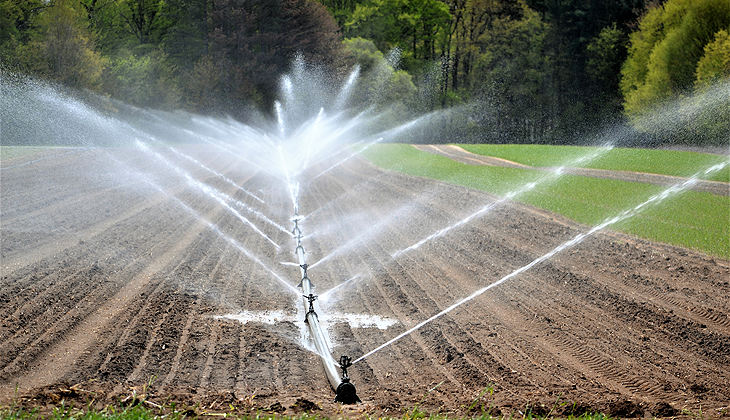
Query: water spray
[
  {"x": 225, "y": 178},
  {"x": 626, "y": 214},
  {"x": 222, "y": 198},
  {"x": 212, "y": 226},
  {"x": 552, "y": 176},
  {"x": 350, "y": 156}
]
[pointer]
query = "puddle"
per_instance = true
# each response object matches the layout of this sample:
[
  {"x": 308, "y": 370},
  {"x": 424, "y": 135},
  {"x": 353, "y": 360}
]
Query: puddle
[
  {"x": 362, "y": 321},
  {"x": 273, "y": 317},
  {"x": 262, "y": 317}
]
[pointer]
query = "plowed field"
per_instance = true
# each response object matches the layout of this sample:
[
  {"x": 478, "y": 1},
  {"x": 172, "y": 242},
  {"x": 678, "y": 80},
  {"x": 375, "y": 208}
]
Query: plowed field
[{"x": 114, "y": 282}]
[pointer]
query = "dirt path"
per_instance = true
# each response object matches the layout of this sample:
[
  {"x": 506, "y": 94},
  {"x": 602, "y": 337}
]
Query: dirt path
[
  {"x": 109, "y": 283},
  {"x": 460, "y": 155}
]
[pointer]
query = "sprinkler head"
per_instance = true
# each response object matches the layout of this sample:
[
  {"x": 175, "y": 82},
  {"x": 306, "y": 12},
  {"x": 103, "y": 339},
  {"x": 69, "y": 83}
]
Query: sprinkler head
[
  {"x": 345, "y": 362},
  {"x": 304, "y": 277},
  {"x": 346, "y": 392},
  {"x": 311, "y": 298}
]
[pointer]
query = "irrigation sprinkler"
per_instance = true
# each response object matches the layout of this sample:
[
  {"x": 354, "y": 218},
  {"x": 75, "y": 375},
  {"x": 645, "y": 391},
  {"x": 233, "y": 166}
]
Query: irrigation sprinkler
[
  {"x": 344, "y": 389},
  {"x": 346, "y": 393}
]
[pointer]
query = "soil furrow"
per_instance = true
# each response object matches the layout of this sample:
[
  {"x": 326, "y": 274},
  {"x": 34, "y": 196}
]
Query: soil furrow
[{"x": 615, "y": 324}]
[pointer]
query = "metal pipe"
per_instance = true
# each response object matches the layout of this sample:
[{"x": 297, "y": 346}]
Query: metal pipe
[
  {"x": 320, "y": 341},
  {"x": 315, "y": 329}
]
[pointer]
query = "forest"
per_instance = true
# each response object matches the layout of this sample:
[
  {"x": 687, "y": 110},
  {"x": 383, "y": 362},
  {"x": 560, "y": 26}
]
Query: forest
[{"x": 517, "y": 71}]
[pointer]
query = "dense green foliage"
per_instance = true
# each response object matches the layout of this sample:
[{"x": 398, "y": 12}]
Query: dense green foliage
[
  {"x": 201, "y": 55},
  {"x": 531, "y": 71},
  {"x": 691, "y": 219},
  {"x": 679, "y": 46},
  {"x": 666, "y": 50}
]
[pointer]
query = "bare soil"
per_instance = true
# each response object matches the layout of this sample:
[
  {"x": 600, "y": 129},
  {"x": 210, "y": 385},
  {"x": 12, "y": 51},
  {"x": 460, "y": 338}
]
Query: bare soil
[{"x": 111, "y": 290}]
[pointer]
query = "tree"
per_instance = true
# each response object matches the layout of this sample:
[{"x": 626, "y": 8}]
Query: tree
[
  {"x": 381, "y": 84},
  {"x": 254, "y": 42},
  {"x": 144, "y": 80},
  {"x": 417, "y": 27},
  {"x": 510, "y": 74},
  {"x": 68, "y": 46},
  {"x": 714, "y": 66},
  {"x": 577, "y": 97},
  {"x": 472, "y": 19},
  {"x": 340, "y": 9},
  {"x": 679, "y": 47},
  {"x": 665, "y": 51},
  {"x": 16, "y": 16},
  {"x": 363, "y": 52},
  {"x": 145, "y": 19},
  {"x": 188, "y": 38},
  {"x": 19, "y": 24},
  {"x": 606, "y": 54}
]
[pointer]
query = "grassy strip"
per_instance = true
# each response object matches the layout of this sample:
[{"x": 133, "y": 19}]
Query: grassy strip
[
  {"x": 143, "y": 413},
  {"x": 695, "y": 220},
  {"x": 70, "y": 413},
  {"x": 9, "y": 152},
  {"x": 664, "y": 162}
]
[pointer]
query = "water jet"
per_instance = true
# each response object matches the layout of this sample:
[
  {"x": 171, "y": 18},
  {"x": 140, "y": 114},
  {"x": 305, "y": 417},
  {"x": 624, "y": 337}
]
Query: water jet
[{"x": 624, "y": 215}]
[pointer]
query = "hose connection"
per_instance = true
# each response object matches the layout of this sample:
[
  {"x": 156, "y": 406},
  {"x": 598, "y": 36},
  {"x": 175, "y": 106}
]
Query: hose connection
[{"x": 346, "y": 392}]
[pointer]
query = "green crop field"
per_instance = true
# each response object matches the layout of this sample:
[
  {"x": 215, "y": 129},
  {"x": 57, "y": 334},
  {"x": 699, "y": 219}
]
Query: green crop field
[
  {"x": 664, "y": 162},
  {"x": 9, "y": 152},
  {"x": 690, "y": 219}
]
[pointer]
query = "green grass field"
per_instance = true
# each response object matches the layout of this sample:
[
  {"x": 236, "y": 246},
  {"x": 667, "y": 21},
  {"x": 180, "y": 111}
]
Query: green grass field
[
  {"x": 9, "y": 152},
  {"x": 664, "y": 162},
  {"x": 695, "y": 220}
]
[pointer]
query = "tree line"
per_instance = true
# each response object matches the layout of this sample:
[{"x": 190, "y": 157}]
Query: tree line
[{"x": 521, "y": 70}]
